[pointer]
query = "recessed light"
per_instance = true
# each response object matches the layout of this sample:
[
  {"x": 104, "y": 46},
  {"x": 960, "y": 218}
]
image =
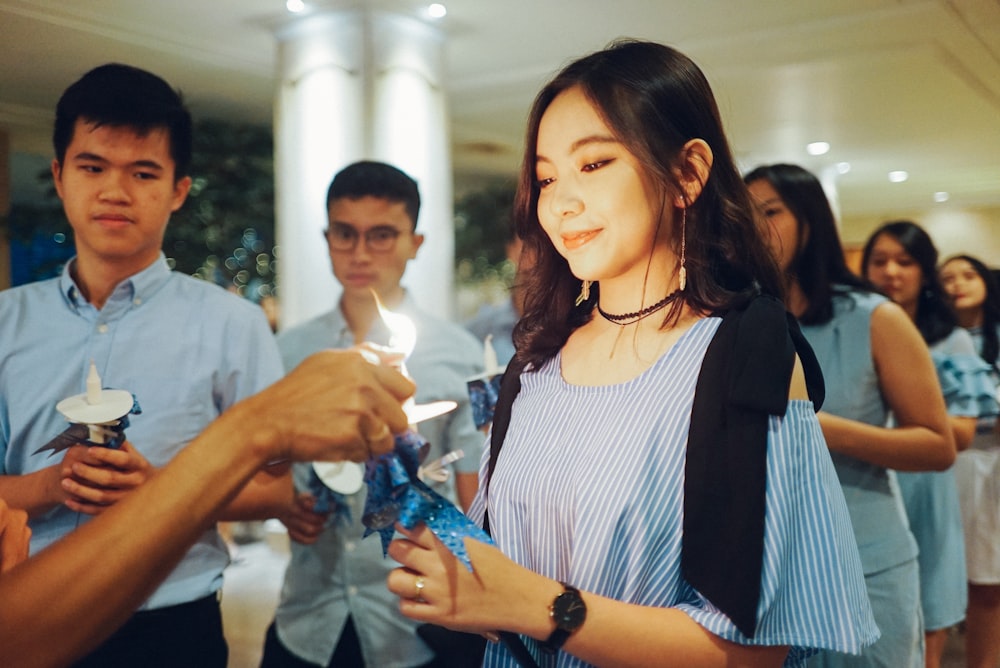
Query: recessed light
[
  {"x": 898, "y": 176},
  {"x": 941, "y": 196},
  {"x": 295, "y": 6},
  {"x": 843, "y": 167},
  {"x": 818, "y": 148},
  {"x": 436, "y": 10}
]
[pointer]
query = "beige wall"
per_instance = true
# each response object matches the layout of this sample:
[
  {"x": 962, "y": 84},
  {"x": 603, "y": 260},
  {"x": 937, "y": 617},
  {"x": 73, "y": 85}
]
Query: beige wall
[{"x": 975, "y": 231}]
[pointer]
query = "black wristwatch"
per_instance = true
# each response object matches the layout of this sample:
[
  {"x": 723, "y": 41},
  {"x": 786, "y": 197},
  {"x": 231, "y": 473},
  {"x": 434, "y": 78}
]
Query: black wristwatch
[{"x": 568, "y": 612}]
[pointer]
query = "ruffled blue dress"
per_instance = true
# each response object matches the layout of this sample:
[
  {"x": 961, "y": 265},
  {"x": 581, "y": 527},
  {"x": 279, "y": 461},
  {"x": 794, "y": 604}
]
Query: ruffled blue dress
[{"x": 931, "y": 497}]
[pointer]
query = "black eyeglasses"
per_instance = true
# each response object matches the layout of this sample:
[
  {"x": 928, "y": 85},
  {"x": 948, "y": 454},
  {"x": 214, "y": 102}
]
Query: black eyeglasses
[{"x": 379, "y": 239}]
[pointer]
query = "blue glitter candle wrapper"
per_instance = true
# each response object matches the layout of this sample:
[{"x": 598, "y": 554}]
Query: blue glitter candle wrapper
[
  {"x": 328, "y": 501},
  {"x": 483, "y": 393},
  {"x": 396, "y": 494}
]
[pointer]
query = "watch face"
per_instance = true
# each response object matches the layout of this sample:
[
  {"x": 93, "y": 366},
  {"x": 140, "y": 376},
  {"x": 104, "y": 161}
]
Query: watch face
[{"x": 568, "y": 610}]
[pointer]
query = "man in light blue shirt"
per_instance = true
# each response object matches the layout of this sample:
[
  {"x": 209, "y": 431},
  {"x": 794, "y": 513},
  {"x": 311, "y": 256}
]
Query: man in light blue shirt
[
  {"x": 335, "y": 609},
  {"x": 186, "y": 349}
]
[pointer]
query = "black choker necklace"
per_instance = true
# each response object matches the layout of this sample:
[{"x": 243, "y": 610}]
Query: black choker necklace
[{"x": 629, "y": 318}]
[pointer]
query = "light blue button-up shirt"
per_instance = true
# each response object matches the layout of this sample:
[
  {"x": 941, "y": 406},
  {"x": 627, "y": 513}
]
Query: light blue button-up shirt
[
  {"x": 343, "y": 573},
  {"x": 185, "y": 348}
]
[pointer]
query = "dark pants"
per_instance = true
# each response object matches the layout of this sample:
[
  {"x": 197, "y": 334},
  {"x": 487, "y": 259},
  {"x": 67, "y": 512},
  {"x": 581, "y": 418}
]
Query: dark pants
[
  {"x": 346, "y": 655},
  {"x": 189, "y": 635}
]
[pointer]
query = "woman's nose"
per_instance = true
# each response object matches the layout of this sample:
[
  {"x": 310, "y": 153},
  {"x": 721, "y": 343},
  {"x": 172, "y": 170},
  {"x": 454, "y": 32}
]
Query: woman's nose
[{"x": 565, "y": 201}]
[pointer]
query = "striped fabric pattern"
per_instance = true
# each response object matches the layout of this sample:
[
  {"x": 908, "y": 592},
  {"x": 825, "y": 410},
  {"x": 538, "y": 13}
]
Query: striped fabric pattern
[{"x": 588, "y": 490}]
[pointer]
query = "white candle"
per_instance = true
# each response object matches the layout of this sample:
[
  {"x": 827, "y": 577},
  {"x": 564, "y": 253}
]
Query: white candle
[
  {"x": 490, "y": 363},
  {"x": 93, "y": 385}
]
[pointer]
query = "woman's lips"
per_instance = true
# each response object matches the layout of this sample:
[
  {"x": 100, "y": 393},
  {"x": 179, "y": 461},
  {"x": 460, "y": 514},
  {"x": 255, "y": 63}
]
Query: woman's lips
[{"x": 573, "y": 241}]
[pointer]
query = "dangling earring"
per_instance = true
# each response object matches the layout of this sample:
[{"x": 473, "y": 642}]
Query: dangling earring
[
  {"x": 584, "y": 292},
  {"x": 683, "y": 273}
]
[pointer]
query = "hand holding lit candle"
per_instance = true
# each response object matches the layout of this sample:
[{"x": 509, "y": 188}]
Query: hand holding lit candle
[{"x": 348, "y": 477}]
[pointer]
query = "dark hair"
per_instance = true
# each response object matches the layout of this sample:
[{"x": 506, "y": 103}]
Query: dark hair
[
  {"x": 368, "y": 178},
  {"x": 935, "y": 319},
  {"x": 991, "y": 308},
  {"x": 819, "y": 266},
  {"x": 122, "y": 96},
  {"x": 654, "y": 99}
]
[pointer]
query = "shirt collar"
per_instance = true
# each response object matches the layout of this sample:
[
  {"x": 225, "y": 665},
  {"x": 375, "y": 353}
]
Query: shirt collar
[{"x": 137, "y": 288}]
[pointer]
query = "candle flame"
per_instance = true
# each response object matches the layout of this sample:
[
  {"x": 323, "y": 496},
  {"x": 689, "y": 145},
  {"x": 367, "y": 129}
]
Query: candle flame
[{"x": 402, "y": 331}]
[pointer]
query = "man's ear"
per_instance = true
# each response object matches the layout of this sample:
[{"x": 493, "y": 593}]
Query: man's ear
[
  {"x": 418, "y": 240},
  {"x": 181, "y": 190},
  {"x": 57, "y": 176},
  {"x": 696, "y": 165}
]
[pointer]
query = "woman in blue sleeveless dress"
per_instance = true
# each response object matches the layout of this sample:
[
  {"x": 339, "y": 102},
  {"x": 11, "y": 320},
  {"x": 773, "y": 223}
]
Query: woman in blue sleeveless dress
[
  {"x": 642, "y": 235},
  {"x": 874, "y": 360},
  {"x": 975, "y": 296},
  {"x": 900, "y": 260}
]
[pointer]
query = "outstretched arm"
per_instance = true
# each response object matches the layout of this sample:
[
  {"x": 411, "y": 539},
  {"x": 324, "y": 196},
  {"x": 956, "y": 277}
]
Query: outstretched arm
[
  {"x": 15, "y": 537},
  {"x": 333, "y": 406}
]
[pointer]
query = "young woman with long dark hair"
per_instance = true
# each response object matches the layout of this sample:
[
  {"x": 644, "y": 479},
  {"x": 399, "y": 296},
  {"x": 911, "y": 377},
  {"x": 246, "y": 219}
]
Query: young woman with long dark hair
[
  {"x": 975, "y": 296},
  {"x": 874, "y": 361},
  {"x": 619, "y": 527},
  {"x": 900, "y": 260}
]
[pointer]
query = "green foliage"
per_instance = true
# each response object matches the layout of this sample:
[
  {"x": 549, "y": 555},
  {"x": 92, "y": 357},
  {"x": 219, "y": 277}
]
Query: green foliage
[
  {"x": 225, "y": 231},
  {"x": 483, "y": 226}
]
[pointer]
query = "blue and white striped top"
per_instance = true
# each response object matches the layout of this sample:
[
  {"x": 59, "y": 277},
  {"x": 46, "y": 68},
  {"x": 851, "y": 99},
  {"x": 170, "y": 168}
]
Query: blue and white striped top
[{"x": 588, "y": 490}]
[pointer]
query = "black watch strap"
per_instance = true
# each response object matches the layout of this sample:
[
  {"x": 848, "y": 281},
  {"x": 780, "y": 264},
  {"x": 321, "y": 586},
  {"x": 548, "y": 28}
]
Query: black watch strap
[
  {"x": 555, "y": 641},
  {"x": 568, "y": 611}
]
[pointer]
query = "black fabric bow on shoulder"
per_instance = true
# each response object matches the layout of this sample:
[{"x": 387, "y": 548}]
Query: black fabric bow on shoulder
[{"x": 744, "y": 379}]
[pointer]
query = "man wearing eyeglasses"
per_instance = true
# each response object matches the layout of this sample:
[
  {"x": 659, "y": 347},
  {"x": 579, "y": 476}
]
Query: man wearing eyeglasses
[{"x": 335, "y": 609}]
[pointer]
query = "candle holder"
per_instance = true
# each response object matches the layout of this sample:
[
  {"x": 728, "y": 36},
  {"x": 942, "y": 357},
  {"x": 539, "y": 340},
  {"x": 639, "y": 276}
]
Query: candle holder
[{"x": 99, "y": 416}]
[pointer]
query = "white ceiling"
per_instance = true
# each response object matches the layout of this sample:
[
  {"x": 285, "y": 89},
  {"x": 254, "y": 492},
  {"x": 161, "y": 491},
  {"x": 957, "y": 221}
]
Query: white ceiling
[{"x": 890, "y": 84}]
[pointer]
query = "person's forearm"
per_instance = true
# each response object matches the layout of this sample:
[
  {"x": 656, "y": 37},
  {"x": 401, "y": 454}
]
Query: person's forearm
[
  {"x": 964, "y": 430},
  {"x": 264, "y": 497},
  {"x": 618, "y": 634},
  {"x": 35, "y": 493},
  {"x": 466, "y": 485},
  {"x": 80, "y": 589},
  {"x": 905, "y": 448},
  {"x": 501, "y": 595}
]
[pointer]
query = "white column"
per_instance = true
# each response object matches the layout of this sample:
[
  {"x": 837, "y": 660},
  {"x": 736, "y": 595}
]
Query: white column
[
  {"x": 410, "y": 131},
  {"x": 358, "y": 85}
]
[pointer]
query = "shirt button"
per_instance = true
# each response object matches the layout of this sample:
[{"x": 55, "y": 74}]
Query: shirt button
[
  {"x": 349, "y": 546},
  {"x": 352, "y": 591},
  {"x": 102, "y": 328},
  {"x": 137, "y": 301}
]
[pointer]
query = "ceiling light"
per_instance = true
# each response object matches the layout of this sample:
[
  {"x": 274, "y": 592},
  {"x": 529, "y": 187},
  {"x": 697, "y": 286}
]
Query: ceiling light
[
  {"x": 898, "y": 176},
  {"x": 941, "y": 196},
  {"x": 437, "y": 10},
  {"x": 843, "y": 167},
  {"x": 818, "y": 148},
  {"x": 295, "y": 6}
]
